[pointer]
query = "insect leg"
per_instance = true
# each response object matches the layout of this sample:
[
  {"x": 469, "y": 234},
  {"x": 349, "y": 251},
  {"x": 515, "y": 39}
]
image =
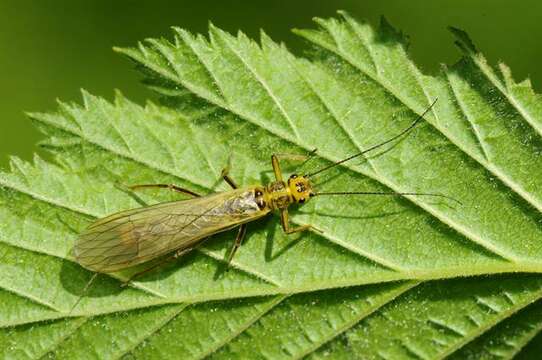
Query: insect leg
[
  {"x": 285, "y": 222},
  {"x": 275, "y": 158},
  {"x": 238, "y": 241},
  {"x": 243, "y": 228},
  {"x": 225, "y": 175},
  {"x": 176, "y": 255},
  {"x": 276, "y": 167},
  {"x": 165, "y": 186}
]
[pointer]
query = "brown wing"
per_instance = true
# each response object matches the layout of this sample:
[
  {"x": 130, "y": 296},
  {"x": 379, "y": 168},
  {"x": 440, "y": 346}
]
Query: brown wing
[{"x": 132, "y": 237}]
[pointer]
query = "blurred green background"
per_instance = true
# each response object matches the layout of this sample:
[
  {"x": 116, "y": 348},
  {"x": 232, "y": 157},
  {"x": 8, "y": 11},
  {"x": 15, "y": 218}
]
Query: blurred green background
[{"x": 50, "y": 49}]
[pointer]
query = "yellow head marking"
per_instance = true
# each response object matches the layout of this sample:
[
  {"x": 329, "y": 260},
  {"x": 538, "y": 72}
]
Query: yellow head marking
[{"x": 300, "y": 188}]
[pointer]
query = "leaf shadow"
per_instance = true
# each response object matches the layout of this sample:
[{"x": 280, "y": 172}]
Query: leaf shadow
[
  {"x": 222, "y": 266},
  {"x": 269, "y": 253},
  {"x": 77, "y": 281},
  {"x": 164, "y": 267}
]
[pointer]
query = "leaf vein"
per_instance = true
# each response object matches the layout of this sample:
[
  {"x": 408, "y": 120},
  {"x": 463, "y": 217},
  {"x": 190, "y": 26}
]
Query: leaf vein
[
  {"x": 468, "y": 118},
  {"x": 66, "y": 336},
  {"x": 267, "y": 88},
  {"x": 152, "y": 331},
  {"x": 510, "y": 97},
  {"x": 247, "y": 325},
  {"x": 356, "y": 320}
]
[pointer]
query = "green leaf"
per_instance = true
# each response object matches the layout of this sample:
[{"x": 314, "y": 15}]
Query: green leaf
[
  {"x": 437, "y": 319},
  {"x": 508, "y": 338},
  {"x": 345, "y": 290}
]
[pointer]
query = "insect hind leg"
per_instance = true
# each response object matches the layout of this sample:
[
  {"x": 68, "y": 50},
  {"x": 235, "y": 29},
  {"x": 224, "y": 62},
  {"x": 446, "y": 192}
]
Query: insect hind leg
[{"x": 238, "y": 241}]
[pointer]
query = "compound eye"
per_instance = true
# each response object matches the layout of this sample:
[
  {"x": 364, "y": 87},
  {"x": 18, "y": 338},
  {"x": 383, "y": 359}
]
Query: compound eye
[
  {"x": 258, "y": 193},
  {"x": 293, "y": 176},
  {"x": 301, "y": 200}
]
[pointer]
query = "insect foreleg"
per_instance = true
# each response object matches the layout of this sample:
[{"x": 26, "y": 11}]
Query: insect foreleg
[
  {"x": 238, "y": 241},
  {"x": 285, "y": 222},
  {"x": 165, "y": 186},
  {"x": 275, "y": 158},
  {"x": 276, "y": 167}
]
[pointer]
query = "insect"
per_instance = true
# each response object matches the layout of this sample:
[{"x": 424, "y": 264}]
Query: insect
[{"x": 136, "y": 236}]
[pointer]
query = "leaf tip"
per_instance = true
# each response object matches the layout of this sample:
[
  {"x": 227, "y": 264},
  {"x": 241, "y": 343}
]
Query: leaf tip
[
  {"x": 32, "y": 114},
  {"x": 119, "y": 97},
  {"x": 463, "y": 40},
  {"x": 266, "y": 40},
  {"x": 215, "y": 31},
  {"x": 343, "y": 13},
  {"x": 388, "y": 32},
  {"x": 119, "y": 49},
  {"x": 212, "y": 27},
  {"x": 320, "y": 21}
]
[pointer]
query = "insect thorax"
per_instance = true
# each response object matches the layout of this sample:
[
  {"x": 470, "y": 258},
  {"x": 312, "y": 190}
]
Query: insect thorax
[
  {"x": 279, "y": 195},
  {"x": 244, "y": 204}
]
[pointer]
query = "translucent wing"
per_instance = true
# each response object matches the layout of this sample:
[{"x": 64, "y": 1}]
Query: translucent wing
[{"x": 132, "y": 237}]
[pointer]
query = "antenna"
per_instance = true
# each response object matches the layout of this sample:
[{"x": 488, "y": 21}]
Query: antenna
[
  {"x": 405, "y": 131},
  {"x": 386, "y": 193}
]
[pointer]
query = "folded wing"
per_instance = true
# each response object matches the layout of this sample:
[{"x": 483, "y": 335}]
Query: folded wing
[{"x": 132, "y": 237}]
